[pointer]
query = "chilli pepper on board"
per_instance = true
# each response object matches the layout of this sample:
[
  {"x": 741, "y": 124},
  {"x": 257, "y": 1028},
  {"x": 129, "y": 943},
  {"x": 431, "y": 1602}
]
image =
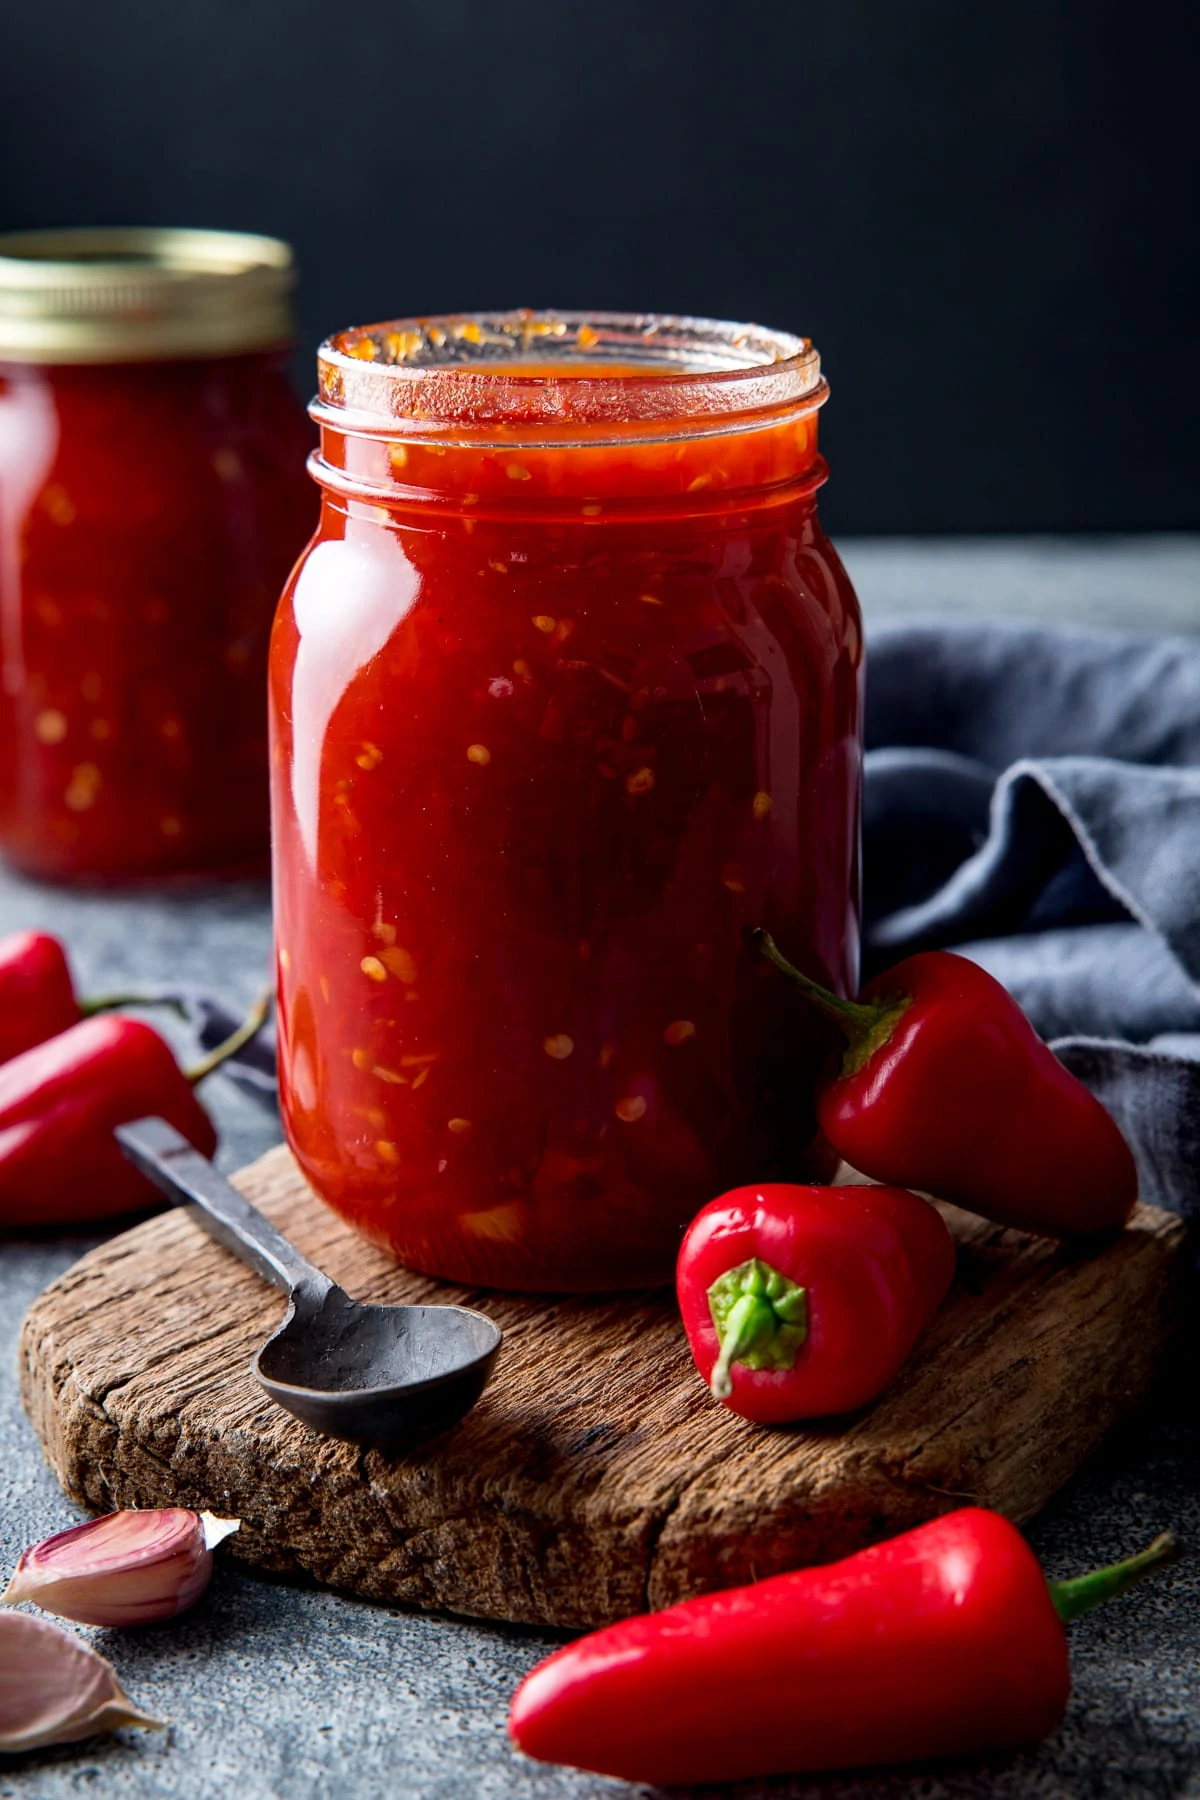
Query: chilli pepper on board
[
  {"x": 37, "y": 994},
  {"x": 946, "y": 1087},
  {"x": 944, "y": 1640},
  {"x": 804, "y": 1301},
  {"x": 59, "y": 1102}
]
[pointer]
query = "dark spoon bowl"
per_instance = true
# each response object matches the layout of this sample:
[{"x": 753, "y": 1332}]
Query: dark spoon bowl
[{"x": 381, "y": 1375}]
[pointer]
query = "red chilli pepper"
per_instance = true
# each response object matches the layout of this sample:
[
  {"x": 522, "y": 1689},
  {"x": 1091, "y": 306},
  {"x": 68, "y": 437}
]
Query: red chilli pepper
[
  {"x": 59, "y": 1103},
  {"x": 945, "y": 1640},
  {"x": 37, "y": 995},
  {"x": 946, "y": 1087},
  {"x": 803, "y": 1301}
]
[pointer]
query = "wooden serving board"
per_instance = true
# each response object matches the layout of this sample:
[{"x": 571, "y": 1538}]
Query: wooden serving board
[{"x": 595, "y": 1478}]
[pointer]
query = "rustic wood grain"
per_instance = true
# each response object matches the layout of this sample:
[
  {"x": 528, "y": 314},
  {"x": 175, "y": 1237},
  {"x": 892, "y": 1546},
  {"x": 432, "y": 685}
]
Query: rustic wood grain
[{"x": 596, "y": 1477}]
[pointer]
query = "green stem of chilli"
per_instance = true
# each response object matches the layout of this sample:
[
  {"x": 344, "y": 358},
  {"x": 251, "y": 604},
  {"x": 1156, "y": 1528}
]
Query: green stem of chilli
[
  {"x": 761, "y": 1320},
  {"x": 865, "y": 1024},
  {"x": 851, "y": 1015},
  {"x": 751, "y": 1319},
  {"x": 102, "y": 1003},
  {"x": 1082, "y": 1592},
  {"x": 249, "y": 1029}
]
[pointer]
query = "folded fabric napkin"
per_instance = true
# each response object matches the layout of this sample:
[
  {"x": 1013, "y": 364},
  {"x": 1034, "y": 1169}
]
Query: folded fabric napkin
[{"x": 1033, "y": 801}]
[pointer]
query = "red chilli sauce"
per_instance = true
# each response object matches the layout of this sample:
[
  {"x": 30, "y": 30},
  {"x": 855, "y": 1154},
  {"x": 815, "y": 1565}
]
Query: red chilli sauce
[{"x": 565, "y": 694}]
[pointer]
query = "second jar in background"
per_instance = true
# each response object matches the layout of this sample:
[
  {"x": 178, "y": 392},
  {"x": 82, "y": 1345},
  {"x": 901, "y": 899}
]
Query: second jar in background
[{"x": 152, "y": 500}]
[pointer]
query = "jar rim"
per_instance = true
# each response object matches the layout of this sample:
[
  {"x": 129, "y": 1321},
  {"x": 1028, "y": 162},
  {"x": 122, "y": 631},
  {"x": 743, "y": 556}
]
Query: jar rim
[{"x": 459, "y": 374}]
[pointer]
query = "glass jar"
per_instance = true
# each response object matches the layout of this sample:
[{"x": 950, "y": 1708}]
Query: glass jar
[
  {"x": 152, "y": 500},
  {"x": 565, "y": 695}
]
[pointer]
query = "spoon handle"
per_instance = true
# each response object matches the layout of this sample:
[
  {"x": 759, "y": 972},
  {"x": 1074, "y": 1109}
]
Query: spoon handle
[{"x": 189, "y": 1179}]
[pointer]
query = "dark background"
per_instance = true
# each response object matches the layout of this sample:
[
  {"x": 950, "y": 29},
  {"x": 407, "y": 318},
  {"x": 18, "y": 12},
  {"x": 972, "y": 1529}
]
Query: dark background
[{"x": 984, "y": 215}]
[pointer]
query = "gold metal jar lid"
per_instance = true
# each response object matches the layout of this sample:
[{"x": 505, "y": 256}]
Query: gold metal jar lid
[{"x": 141, "y": 295}]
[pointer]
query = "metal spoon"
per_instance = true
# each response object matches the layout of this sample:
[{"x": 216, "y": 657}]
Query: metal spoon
[{"x": 382, "y": 1375}]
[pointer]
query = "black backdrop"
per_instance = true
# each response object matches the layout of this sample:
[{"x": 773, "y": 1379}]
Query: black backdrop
[{"x": 984, "y": 215}]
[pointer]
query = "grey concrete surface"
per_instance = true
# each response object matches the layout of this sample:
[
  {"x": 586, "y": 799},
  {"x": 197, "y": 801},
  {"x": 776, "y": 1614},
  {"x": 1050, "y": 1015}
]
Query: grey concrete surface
[
  {"x": 276, "y": 1692},
  {"x": 1149, "y": 583}
]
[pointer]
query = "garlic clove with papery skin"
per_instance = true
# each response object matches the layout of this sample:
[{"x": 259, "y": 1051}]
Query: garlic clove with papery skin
[
  {"x": 55, "y": 1690},
  {"x": 130, "y": 1568}
]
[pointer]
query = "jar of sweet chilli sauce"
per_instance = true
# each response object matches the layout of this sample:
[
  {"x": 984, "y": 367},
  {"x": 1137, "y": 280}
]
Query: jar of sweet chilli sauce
[{"x": 566, "y": 695}]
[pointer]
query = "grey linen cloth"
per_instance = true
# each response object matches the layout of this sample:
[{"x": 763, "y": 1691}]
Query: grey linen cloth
[{"x": 1032, "y": 800}]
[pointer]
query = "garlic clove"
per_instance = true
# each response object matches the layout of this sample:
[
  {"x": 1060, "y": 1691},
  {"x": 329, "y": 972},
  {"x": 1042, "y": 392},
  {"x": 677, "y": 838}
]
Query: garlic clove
[
  {"x": 130, "y": 1568},
  {"x": 54, "y": 1689}
]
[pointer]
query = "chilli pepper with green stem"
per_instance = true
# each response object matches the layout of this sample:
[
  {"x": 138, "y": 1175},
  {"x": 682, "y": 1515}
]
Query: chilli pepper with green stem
[
  {"x": 946, "y": 1087},
  {"x": 945, "y": 1640},
  {"x": 804, "y": 1301},
  {"x": 59, "y": 1102},
  {"x": 37, "y": 994}
]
